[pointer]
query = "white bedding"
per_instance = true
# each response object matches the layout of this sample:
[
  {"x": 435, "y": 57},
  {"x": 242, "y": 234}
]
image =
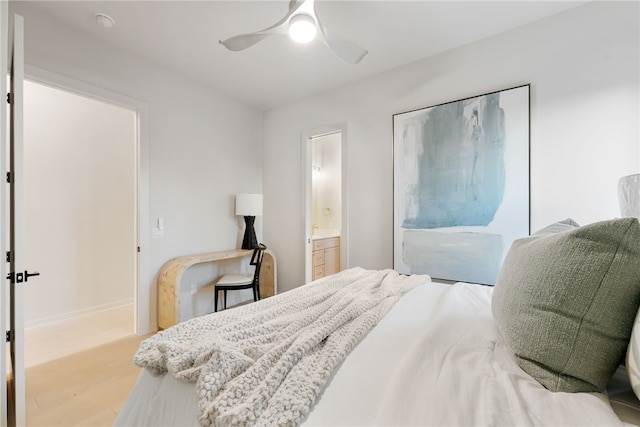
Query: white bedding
[{"x": 435, "y": 359}]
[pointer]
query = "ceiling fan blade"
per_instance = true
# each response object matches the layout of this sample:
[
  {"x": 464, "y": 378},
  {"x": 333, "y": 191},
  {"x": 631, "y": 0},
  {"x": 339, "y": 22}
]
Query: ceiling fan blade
[
  {"x": 243, "y": 41},
  {"x": 347, "y": 50},
  {"x": 294, "y": 4}
]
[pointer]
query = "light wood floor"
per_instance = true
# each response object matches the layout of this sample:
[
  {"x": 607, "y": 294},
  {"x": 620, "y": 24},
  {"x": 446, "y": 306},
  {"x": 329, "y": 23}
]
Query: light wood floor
[
  {"x": 52, "y": 342},
  {"x": 74, "y": 378}
]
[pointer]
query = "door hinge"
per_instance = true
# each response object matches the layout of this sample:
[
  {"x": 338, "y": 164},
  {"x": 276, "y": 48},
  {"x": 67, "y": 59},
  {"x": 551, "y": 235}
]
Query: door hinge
[
  {"x": 8, "y": 97},
  {"x": 8, "y": 177},
  {"x": 10, "y": 335},
  {"x": 138, "y": 249},
  {"x": 8, "y": 256}
]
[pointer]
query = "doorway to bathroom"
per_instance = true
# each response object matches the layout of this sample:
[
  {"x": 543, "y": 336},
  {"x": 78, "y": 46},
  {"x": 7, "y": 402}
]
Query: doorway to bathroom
[{"x": 325, "y": 206}]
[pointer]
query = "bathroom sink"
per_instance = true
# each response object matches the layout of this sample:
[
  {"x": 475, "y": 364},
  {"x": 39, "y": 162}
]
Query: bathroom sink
[{"x": 322, "y": 233}]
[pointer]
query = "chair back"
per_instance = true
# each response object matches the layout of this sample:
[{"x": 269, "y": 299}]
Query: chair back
[{"x": 256, "y": 259}]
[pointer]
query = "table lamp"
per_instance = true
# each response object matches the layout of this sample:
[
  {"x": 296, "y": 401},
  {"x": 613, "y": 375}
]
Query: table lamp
[{"x": 249, "y": 205}]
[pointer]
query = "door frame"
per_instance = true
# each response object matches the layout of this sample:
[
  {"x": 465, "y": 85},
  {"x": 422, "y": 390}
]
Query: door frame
[
  {"x": 16, "y": 411},
  {"x": 307, "y": 173},
  {"x": 143, "y": 323},
  {"x": 4, "y": 59}
]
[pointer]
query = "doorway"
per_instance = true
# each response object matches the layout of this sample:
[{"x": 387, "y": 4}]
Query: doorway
[
  {"x": 80, "y": 210},
  {"x": 326, "y": 237}
]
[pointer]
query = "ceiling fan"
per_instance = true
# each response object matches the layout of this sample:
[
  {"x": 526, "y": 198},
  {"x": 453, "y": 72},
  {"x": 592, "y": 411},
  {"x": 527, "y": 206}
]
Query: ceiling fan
[{"x": 302, "y": 24}]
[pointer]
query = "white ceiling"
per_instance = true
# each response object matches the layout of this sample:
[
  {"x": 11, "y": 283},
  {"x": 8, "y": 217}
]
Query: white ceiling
[{"x": 184, "y": 35}]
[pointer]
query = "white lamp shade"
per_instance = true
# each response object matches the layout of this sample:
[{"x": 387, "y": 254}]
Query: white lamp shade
[{"x": 249, "y": 204}]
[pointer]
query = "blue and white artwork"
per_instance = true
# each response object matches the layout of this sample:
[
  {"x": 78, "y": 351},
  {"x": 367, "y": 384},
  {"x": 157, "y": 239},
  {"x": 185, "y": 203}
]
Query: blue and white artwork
[{"x": 461, "y": 185}]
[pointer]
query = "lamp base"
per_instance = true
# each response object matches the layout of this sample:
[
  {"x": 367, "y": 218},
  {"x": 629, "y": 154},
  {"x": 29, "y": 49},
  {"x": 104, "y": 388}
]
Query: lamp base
[{"x": 250, "y": 241}]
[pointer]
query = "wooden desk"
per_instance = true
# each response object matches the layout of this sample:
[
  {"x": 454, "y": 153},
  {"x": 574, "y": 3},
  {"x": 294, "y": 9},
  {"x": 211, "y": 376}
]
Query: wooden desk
[{"x": 172, "y": 271}]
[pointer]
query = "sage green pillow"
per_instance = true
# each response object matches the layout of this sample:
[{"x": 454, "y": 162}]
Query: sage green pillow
[{"x": 565, "y": 303}]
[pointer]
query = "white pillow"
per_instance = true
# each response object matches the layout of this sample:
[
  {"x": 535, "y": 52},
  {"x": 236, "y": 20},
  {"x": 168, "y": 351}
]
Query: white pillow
[{"x": 633, "y": 357}]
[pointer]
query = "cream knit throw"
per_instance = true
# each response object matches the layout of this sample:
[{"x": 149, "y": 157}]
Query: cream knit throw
[{"x": 265, "y": 363}]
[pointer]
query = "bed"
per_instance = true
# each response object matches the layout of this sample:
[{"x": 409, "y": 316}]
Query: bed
[{"x": 389, "y": 349}]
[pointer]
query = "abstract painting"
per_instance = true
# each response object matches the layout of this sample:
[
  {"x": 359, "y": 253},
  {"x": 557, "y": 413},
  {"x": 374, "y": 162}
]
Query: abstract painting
[{"x": 461, "y": 185}]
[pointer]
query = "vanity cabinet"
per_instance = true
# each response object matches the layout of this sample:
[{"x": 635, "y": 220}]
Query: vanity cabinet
[{"x": 325, "y": 257}]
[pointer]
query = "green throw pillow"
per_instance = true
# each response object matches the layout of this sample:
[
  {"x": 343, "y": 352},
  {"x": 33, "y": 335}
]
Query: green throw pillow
[{"x": 565, "y": 303}]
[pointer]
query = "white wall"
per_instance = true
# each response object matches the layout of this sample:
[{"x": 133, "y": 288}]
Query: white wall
[
  {"x": 583, "y": 67},
  {"x": 204, "y": 147},
  {"x": 326, "y": 182},
  {"x": 79, "y": 204}
]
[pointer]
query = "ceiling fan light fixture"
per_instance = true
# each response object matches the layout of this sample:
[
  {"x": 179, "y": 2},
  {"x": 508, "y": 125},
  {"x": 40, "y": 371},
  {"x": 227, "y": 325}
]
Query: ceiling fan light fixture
[
  {"x": 302, "y": 28},
  {"x": 303, "y": 25}
]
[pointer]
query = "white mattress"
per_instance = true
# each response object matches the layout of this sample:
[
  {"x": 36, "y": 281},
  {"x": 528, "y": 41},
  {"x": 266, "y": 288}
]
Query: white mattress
[{"x": 435, "y": 359}]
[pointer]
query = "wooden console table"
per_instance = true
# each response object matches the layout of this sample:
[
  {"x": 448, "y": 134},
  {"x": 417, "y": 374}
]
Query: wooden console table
[{"x": 172, "y": 271}]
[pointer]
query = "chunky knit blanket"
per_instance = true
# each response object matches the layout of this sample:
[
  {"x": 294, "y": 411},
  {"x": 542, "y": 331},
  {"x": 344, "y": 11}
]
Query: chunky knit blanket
[{"x": 265, "y": 363}]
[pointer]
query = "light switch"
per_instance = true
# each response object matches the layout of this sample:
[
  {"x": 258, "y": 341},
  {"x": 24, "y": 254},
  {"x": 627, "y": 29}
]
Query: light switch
[{"x": 157, "y": 232}]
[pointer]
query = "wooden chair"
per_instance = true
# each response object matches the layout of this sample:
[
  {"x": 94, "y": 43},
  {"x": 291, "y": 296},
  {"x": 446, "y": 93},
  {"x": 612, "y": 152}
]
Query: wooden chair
[{"x": 234, "y": 282}]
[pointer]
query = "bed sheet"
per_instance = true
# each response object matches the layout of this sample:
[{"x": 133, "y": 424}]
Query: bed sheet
[{"x": 437, "y": 358}]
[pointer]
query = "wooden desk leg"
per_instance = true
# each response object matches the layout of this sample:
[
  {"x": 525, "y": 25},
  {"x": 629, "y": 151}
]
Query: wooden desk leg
[{"x": 268, "y": 275}]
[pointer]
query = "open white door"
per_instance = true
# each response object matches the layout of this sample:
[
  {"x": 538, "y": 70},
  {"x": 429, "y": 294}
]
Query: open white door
[
  {"x": 307, "y": 138},
  {"x": 4, "y": 37},
  {"x": 17, "y": 275}
]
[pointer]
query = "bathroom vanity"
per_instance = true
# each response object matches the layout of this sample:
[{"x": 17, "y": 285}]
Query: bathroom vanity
[{"x": 325, "y": 256}]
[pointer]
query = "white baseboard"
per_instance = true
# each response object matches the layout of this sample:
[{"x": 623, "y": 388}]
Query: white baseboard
[{"x": 51, "y": 320}]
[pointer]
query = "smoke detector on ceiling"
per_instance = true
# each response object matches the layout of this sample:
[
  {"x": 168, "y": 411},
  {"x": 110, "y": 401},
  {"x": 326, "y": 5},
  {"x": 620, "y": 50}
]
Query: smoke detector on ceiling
[{"x": 105, "y": 20}]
